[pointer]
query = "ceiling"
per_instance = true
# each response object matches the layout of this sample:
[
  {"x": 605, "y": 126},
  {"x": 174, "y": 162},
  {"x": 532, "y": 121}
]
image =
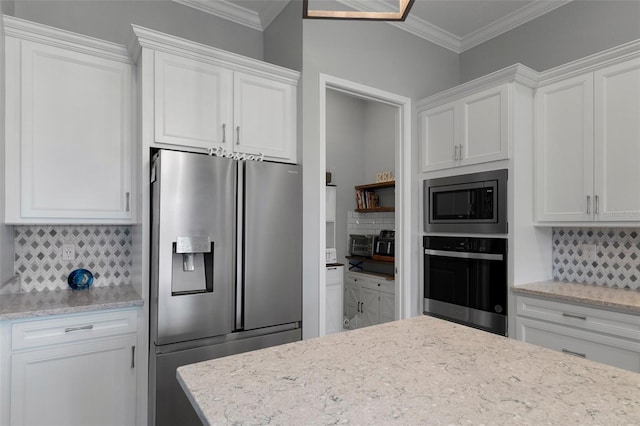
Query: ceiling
[{"x": 457, "y": 25}]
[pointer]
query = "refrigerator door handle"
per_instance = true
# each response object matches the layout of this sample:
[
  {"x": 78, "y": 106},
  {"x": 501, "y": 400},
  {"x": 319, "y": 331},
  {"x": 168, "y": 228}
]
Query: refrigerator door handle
[{"x": 239, "y": 247}]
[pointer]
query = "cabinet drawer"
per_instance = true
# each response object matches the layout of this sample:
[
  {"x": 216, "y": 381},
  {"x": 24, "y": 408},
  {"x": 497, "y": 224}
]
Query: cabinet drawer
[
  {"x": 334, "y": 275},
  {"x": 596, "y": 347},
  {"x": 381, "y": 285},
  {"x": 73, "y": 328},
  {"x": 581, "y": 317},
  {"x": 354, "y": 278}
]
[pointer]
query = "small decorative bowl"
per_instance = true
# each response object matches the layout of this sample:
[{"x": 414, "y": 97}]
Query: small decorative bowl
[{"x": 80, "y": 279}]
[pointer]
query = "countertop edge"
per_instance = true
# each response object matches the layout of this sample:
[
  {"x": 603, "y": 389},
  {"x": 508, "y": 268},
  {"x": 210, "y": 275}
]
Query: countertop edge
[{"x": 70, "y": 310}]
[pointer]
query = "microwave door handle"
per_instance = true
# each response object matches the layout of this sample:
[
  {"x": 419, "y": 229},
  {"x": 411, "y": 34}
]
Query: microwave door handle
[{"x": 464, "y": 254}]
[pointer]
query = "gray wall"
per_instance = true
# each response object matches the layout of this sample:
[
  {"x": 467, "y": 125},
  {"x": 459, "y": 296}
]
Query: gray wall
[
  {"x": 6, "y": 232},
  {"x": 571, "y": 32},
  {"x": 111, "y": 19},
  {"x": 380, "y": 133},
  {"x": 370, "y": 53},
  {"x": 345, "y": 159},
  {"x": 283, "y": 38}
]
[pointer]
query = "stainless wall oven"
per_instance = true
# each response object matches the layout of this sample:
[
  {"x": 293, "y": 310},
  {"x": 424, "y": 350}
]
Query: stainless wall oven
[
  {"x": 465, "y": 281},
  {"x": 471, "y": 203}
]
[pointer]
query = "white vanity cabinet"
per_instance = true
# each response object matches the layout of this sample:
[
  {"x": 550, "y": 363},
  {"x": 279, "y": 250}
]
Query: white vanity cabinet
[
  {"x": 370, "y": 297},
  {"x": 69, "y": 127},
  {"x": 471, "y": 128},
  {"x": 75, "y": 369},
  {"x": 206, "y": 98},
  {"x": 605, "y": 336},
  {"x": 588, "y": 146}
]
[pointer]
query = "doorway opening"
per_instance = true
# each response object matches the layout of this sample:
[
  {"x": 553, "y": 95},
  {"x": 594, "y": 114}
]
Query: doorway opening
[{"x": 366, "y": 140}]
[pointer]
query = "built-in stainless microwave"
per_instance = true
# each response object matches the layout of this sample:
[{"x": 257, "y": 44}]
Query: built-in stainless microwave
[{"x": 471, "y": 203}]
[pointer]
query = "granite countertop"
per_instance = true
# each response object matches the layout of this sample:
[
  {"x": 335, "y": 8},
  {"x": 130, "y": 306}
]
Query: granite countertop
[
  {"x": 595, "y": 295},
  {"x": 42, "y": 303},
  {"x": 417, "y": 371}
]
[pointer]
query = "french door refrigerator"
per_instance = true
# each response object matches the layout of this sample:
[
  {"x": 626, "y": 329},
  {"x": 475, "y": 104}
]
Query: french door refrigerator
[{"x": 226, "y": 266}]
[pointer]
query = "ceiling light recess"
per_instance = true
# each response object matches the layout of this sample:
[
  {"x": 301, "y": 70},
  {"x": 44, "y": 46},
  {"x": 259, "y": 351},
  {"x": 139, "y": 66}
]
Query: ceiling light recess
[{"x": 403, "y": 10}]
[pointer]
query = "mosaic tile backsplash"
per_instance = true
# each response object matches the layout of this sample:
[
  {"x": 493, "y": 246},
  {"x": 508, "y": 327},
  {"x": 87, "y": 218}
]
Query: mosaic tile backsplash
[
  {"x": 104, "y": 250},
  {"x": 617, "y": 256}
]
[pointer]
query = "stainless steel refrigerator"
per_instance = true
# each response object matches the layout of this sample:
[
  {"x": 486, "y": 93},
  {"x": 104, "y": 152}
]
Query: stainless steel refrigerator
[{"x": 226, "y": 266}]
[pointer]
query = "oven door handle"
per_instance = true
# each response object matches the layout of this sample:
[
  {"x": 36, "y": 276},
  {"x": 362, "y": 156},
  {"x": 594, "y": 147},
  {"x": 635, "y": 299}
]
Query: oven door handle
[{"x": 464, "y": 254}]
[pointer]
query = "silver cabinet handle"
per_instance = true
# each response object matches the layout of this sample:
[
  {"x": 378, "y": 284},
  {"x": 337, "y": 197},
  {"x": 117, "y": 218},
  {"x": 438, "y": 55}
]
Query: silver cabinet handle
[
  {"x": 224, "y": 133},
  {"x": 128, "y": 196},
  {"x": 332, "y": 269},
  {"x": 85, "y": 327},
  {"x": 597, "y": 207},
  {"x": 455, "y": 155},
  {"x": 238, "y": 135},
  {"x": 578, "y": 354},
  {"x": 588, "y": 204},
  {"x": 133, "y": 357},
  {"x": 564, "y": 314},
  {"x": 461, "y": 157}
]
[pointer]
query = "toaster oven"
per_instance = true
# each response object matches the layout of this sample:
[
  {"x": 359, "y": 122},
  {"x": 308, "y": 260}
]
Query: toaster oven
[{"x": 361, "y": 245}]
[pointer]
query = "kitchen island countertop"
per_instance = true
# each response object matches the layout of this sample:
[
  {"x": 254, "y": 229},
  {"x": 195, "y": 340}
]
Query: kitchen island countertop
[{"x": 416, "y": 371}]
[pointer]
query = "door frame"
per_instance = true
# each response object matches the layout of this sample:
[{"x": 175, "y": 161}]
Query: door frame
[{"x": 403, "y": 186}]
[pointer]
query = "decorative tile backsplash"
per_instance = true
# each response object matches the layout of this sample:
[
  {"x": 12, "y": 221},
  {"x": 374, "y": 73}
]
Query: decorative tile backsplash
[
  {"x": 617, "y": 256},
  {"x": 370, "y": 223},
  {"x": 102, "y": 249}
]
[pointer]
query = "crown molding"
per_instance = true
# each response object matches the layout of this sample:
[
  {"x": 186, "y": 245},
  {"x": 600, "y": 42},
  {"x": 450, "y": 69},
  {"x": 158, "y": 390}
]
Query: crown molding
[
  {"x": 158, "y": 41},
  {"x": 521, "y": 16},
  {"x": 517, "y": 73},
  {"x": 592, "y": 63},
  {"x": 27, "y": 30},
  {"x": 238, "y": 14}
]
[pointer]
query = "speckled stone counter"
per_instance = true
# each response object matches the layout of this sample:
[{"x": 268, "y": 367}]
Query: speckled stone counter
[
  {"x": 595, "y": 295},
  {"x": 43, "y": 303},
  {"x": 417, "y": 371}
]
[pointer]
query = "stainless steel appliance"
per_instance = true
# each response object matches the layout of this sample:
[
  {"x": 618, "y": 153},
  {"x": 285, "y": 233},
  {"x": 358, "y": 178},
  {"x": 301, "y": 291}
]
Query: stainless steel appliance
[
  {"x": 385, "y": 244},
  {"x": 472, "y": 203},
  {"x": 465, "y": 280},
  {"x": 218, "y": 286},
  {"x": 361, "y": 245}
]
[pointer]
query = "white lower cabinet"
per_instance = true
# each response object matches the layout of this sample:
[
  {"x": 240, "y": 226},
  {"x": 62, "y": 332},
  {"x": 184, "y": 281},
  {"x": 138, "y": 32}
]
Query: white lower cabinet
[
  {"x": 368, "y": 299},
  {"x": 334, "y": 299},
  {"x": 608, "y": 337},
  {"x": 71, "y": 370}
]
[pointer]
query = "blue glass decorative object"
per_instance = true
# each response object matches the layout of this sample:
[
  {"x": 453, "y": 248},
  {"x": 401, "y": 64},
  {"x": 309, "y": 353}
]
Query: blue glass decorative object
[{"x": 80, "y": 279}]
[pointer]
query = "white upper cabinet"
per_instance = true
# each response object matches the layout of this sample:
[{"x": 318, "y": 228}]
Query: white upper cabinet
[
  {"x": 485, "y": 126},
  {"x": 193, "y": 102},
  {"x": 264, "y": 117},
  {"x": 588, "y": 146},
  {"x": 564, "y": 149},
  {"x": 202, "y": 98},
  {"x": 438, "y": 137},
  {"x": 617, "y": 142},
  {"x": 471, "y": 127},
  {"x": 68, "y": 128}
]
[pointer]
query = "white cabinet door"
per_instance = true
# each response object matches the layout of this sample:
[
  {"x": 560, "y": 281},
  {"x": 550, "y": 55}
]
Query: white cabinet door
[
  {"x": 617, "y": 142},
  {"x": 264, "y": 117},
  {"x": 69, "y": 150},
  {"x": 485, "y": 126},
  {"x": 439, "y": 137},
  {"x": 334, "y": 309},
  {"x": 351, "y": 300},
  {"x": 334, "y": 303},
  {"x": 564, "y": 150},
  {"x": 91, "y": 383},
  {"x": 193, "y": 103},
  {"x": 387, "y": 307},
  {"x": 369, "y": 306}
]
